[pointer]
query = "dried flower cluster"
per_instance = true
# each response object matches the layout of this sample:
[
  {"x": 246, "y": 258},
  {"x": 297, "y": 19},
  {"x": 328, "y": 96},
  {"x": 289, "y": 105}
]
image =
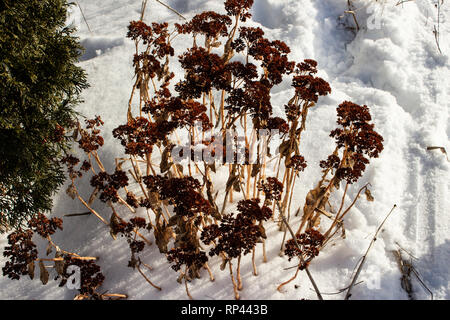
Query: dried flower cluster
[
  {"x": 118, "y": 226},
  {"x": 357, "y": 138},
  {"x": 21, "y": 252},
  {"x": 24, "y": 256},
  {"x": 43, "y": 226},
  {"x": 272, "y": 189},
  {"x": 90, "y": 139},
  {"x": 91, "y": 277},
  {"x": 227, "y": 84},
  {"x": 109, "y": 184},
  {"x": 309, "y": 244},
  {"x": 237, "y": 235}
]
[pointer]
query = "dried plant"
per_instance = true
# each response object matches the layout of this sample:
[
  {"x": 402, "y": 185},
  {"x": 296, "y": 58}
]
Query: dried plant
[
  {"x": 226, "y": 85},
  {"x": 23, "y": 259},
  {"x": 237, "y": 236}
]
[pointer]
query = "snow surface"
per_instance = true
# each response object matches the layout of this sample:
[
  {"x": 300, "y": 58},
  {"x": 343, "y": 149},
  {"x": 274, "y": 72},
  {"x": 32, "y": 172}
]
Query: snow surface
[{"x": 396, "y": 70}]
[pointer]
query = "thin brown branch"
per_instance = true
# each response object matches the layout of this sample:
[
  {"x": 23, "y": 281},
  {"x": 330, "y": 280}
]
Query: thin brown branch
[
  {"x": 352, "y": 284},
  {"x": 302, "y": 261}
]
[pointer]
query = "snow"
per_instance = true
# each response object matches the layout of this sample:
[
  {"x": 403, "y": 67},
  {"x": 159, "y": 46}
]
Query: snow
[{"x": 395, "y": 69}]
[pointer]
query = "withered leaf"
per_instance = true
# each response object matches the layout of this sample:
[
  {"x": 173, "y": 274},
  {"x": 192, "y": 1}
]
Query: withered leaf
[
  {"x": 173, "y": 220},
  {"x": 71, "y": 191},
  {"x": 231, "y": 181},
  {"x": 49, "y": 249},
  {"x": 31, "y": 268},
  {"x": 133, "y": 261},
  {"x": 75, "y": 134},
  {"x": 163, "y": 235},
  {"x": 284, "y": 148},
  {"x": 180, "y": 168},
  {"x": 237, "y": 185},
  {"x": 263, "y": 231},
  {"x": 165, "y": 164},
  {"x": 93, "y": 196},
  {"x": 368, "y": 194},
  {"x": 212, "y": 166},
  {"x": 113, "y": 223},
  {"x": 44, "y": 273},
  {"x": 256, "y": 168},
  {"x": 59, "y": 264},
  {"x": 316, "y": 221},
  {"x": 223, "y": 265}
]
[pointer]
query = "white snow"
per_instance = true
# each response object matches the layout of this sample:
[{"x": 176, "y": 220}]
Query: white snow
[{"x": 395, "y": 69}]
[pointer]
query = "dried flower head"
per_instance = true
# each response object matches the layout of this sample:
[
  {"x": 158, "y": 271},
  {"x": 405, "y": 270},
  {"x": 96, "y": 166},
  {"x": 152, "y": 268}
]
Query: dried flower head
[
  {"x": 239, "y": 8},
  {"x": 357, "y": 138},
  {"x": 234, "y": 236},
  {"x": 109, "y": 184},
  {"x": 309, "y": 242},
  {"x": 277, "y": 123},
  {"x": 21, "y": 251},
  {"x": 250, "y": 209},
  {"x": 204, "y": 71},
  {"x": 272, "y": 189},
  {"x": 90, "y": 275},
  {"x": 44, "y": 226},
  {"x": 208, "y": 23},
  {"x": 309, "y": 88},
  {"x": 90, "y": 139},
  {"x": 190, "y": 256},
  {"x": 297, "y": 162},
  {"x": 182, "y": 193}
]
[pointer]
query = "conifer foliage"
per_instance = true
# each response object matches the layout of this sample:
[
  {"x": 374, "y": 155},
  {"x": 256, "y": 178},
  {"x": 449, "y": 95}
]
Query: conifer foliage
[{"x": 39, "y": 87}]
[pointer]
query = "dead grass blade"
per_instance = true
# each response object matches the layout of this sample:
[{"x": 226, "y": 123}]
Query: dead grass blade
[
  {"x": 301, "y": 258},
  {"x": 352, "y": 284},
  {"x": 84, "y": 18}
]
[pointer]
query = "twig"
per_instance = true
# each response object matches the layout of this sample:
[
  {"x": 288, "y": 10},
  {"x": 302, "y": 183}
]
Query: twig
[
  {"x": 235, "y": 286},
  {"x": 77, "y": 214},
  {"x": 84, "y": 18},
  {"x": 186, "y": 285},
  {"x": 405, "y": 268},
  {"x": 352, "y": 284},
  {"x": 440, "y": 148},
  {"x": 117, "y": 296},
  {"x": 409, "y": 253},
  {"x": 436, "y": 37},
  {"x": 354, "y": 18},
  {"x": 402, "y": 1},
  {"x": 340, "y": 290},
  {"x": 143, "y": 6},
  {"x": 171, "y": 9},
  {"x": 421, "y": 282},
  {"x": 147, "y": 279},
  {"x": 302, "y": 261}
]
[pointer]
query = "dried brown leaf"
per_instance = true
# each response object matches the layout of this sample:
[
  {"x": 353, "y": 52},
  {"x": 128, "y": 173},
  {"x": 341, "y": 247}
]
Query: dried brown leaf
[
  {"x": 368, "y": 194},
  {"x": 31, "y": 268},
  {"x": 44, "y": 273}
]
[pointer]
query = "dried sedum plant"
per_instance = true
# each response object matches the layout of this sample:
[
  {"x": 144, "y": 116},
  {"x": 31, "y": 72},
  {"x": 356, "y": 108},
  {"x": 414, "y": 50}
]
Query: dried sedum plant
[{"x": 229, "y": 73}]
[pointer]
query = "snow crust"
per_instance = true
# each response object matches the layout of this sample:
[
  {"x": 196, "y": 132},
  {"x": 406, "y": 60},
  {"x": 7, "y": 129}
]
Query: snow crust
[{"x": 395, "y": 69}]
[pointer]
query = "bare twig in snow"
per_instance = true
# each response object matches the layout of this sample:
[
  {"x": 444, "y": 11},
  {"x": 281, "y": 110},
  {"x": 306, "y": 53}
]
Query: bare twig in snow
[
  {"x": 440, "y": 148},
  {"x": 84, "y": 18},
  {"x": 352, "y": 284},
  {"x": 301, "y": 258}
]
